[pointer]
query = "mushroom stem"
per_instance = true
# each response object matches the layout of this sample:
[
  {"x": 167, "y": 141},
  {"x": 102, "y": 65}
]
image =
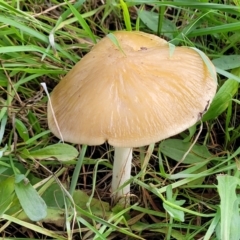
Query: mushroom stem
[{"x": 121, "y": 171}]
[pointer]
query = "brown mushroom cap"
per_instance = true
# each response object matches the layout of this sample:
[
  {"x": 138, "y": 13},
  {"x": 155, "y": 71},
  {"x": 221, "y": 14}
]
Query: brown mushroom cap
[{"x": 132, "y": 96}]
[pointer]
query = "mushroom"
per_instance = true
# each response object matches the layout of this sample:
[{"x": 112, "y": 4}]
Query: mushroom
[{"x": 132, "y": 89}]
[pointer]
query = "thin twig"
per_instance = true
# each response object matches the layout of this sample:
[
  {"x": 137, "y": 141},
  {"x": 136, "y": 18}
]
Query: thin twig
[{"x": 53, "y": 8}]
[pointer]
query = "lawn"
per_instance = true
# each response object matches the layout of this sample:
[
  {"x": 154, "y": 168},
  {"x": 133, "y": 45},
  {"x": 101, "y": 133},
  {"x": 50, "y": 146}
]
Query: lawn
[{"x": 184, "y": 187}]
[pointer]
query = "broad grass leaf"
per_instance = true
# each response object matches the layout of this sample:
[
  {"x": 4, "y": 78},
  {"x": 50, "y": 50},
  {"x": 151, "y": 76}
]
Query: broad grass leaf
[
  {"x": 227, "y": 62},
  {"x": 175, "y": 213},
  {"x": 97, "y": 206},
  {"x": 55, "y": 215},
  {"x": 192, "y": 131},
  {"x": 53, "y": 196},
  {"x": 229, "y": 206},
  {"x": 3, "y": 80},
  {"x": 222, "y": 98},
  {"x": 150, "y": 19},
  {"x": 22, "y": 130},
  {"x": 34, "y": 122},
  {"x": 59, "y": 151},
  {"x": 20, "y": 177},
  {"x": 32, "y": 204},
  {"x": 6, "y": 194},
  {"x": 176, "y": 148}
]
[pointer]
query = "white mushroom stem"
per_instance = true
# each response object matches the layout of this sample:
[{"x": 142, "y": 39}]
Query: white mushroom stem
[{"x": 121, "y": 171}]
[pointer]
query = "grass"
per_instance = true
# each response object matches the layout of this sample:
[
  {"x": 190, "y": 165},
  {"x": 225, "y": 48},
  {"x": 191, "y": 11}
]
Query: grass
[{"x": 39, "y": 42}]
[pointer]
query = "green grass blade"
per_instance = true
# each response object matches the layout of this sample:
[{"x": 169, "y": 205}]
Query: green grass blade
[
  {"x": 126, "y": 15},
  {"x": 3, "y": 126},
  {"x": 229, "y": 206},
  {"x": 213, "y": 226},
  {"x": 33, "y": 227},
  {"x": 77, "y": 170},
  {"x": 82, "y": 22},
  {"x": 222, "y": 99}
]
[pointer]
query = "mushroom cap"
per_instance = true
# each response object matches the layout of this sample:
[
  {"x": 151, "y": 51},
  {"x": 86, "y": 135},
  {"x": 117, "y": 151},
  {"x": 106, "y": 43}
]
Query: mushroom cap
[{"x": 131, "y": 93}]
